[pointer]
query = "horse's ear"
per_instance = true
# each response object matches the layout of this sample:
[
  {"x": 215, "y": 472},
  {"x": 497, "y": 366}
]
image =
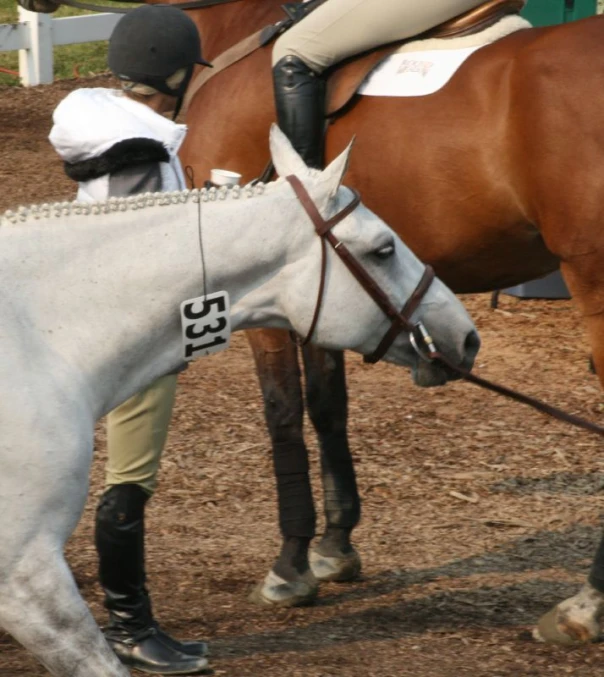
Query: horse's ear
[
  {"x": 285, "y": 158},
  {"x": 333, "y": 174}
]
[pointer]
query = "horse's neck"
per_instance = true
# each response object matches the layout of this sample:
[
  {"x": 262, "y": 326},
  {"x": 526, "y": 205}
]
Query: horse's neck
[
  {"x": 102, "y": 292},
  {"x": 224, "y": 25}
]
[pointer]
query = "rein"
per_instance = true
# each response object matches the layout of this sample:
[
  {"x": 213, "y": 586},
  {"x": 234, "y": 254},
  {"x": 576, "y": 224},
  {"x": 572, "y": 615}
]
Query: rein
[
  {"x": 190, "y": 4},
  {"x": 401, "y": 321},
  {"x": 548, "y": 409}
]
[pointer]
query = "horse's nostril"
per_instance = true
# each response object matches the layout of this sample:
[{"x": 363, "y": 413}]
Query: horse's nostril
[{"x": 471, "y": 345}]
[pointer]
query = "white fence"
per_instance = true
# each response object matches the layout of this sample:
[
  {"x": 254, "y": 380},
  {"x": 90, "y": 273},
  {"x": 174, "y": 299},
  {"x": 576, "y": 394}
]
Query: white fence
[{"x": 34, "y": 35}]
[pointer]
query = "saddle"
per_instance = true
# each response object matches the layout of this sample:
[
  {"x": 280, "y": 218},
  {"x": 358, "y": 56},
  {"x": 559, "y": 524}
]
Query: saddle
[{"x": 347, "y": 76}]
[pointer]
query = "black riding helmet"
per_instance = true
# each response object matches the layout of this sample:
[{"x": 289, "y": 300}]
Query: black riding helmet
[{"x": 151, "y": 43}]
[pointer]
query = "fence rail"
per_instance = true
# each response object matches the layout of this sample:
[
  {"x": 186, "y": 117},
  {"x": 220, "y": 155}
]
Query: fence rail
[{"x": 35, "y": 35}]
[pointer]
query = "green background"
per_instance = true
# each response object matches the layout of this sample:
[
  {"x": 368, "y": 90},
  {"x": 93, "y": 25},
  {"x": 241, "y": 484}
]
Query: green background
[{"x": 548, "y": 12}]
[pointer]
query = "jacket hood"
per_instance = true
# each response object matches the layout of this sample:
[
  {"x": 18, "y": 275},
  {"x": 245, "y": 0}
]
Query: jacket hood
[{"x": 90, "y": 121}]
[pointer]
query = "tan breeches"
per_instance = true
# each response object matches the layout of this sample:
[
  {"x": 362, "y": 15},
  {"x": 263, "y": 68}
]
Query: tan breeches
[
  {"x": 339, "y": 29},
  {"x": 136, "y": 435}
]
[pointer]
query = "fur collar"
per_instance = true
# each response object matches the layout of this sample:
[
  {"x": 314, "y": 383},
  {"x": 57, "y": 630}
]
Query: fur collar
[{"x": 127, "y": 153}]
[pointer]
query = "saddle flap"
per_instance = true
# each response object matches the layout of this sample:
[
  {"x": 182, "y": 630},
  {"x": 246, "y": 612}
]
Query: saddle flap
[
  {"x": 345, "y": 80},
  {"x": 347, "y": 77}
]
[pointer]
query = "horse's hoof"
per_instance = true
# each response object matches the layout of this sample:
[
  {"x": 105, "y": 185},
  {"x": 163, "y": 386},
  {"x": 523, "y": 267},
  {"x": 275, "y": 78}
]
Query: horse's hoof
[
  {"x": 338, "y": 569},
  {"x": 276, "y": 591},
  {"x": 555, "y": 627}
]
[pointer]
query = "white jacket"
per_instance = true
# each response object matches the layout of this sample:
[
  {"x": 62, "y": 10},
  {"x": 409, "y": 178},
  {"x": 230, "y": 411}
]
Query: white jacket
[{"x": 89, "y": 122}]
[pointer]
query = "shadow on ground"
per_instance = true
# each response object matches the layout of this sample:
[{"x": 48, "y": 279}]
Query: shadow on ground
[{"x": 483, "y": 608}]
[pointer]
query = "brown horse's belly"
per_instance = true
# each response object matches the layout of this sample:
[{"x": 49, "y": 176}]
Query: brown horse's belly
[
  {"x": 509, "y": 262},
  {"x": 473, "y": 254}
]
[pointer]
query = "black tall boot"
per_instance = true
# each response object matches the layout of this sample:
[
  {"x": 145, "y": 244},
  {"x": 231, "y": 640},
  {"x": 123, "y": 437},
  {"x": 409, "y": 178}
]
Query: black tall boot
[
  {"x": 132, "y": 632},
  {"x": 300, "y": 104}
]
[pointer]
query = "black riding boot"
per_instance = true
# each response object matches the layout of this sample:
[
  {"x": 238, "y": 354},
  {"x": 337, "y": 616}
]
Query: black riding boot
[
  {"x": 132, "y": 632},
  {"x": 300, "y": 104}
]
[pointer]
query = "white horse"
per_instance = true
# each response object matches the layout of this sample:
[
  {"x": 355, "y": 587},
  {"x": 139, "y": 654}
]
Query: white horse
[{"x": 90, "y": 315}]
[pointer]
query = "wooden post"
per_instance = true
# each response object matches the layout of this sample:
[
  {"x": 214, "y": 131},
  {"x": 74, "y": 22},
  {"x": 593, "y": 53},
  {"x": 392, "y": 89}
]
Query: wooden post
[{"x": 36, "y": 60}]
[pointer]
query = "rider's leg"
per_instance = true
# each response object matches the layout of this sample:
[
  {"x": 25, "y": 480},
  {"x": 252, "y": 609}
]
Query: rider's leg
[
  {"x": 335, "y": 31},
  {"x": 299, "y": 102},
  {"x": 339, "y": 29},
  {"x": 136, "y": 435}
]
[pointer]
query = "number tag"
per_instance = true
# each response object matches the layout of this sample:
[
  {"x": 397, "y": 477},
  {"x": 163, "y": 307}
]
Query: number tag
[{"x": 206, "y": 325}]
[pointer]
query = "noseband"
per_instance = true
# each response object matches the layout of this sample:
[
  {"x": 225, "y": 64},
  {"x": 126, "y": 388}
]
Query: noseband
[{"x": 400, "y": 320}]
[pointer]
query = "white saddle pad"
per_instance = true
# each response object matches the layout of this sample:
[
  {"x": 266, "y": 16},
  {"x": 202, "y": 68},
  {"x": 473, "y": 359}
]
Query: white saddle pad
[{"x": 423, "y": 67}]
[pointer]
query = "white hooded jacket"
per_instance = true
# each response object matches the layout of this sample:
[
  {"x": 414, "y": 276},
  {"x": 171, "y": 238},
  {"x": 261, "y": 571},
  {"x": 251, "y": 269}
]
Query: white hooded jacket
[{"x": 89, "y": 122}]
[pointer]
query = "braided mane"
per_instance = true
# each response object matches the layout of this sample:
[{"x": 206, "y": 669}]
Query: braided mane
[{"x": 61, "y": 210}]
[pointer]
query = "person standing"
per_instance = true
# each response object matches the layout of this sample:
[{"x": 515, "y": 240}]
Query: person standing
[{"x": 118, "y": 143}]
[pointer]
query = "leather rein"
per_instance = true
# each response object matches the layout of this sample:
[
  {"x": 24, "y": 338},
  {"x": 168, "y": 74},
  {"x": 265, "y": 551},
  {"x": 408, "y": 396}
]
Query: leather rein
[
  {"x": 190, "y": 4},
  {"x": 401, "y": 321}
]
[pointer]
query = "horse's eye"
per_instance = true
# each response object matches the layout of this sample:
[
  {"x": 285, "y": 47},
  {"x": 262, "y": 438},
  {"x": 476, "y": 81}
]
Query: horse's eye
[{"x": 385, "y": 251}]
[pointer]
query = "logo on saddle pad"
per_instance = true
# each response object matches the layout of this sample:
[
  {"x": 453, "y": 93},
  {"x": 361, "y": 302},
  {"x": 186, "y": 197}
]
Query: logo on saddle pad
[
  {"x": 415, "y": 73},
  {"x": 415, "y": 66}
]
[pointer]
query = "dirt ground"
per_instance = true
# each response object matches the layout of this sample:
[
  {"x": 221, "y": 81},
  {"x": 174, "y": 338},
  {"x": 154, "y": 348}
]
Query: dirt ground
[{"x": 478, "y": 513}]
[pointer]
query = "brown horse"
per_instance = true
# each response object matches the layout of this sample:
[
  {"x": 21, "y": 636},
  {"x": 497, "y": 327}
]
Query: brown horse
[{"x": 496, "y": 179}]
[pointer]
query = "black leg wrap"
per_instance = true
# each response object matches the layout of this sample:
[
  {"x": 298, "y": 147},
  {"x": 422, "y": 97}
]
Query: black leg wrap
[
  {"x": 335, "y": 542},
  {"x": 341, "y": 498},
  {"x": 596, "y": 575},
  {"x": 326, "y": 395},
  {"x": 296, "y": 508},
  {"x": 293, "y": 558},
  {"x": 300, "y": 105},
  {"x": 327, "y": 402}
]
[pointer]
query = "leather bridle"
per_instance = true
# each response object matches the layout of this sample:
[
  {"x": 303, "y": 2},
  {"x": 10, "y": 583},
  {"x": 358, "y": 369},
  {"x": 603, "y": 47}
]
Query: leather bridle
[
  {"x": 401, "y": 320},
  {"x": 93, "y": 7}
]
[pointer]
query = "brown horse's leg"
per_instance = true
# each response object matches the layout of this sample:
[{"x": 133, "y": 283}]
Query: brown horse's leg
[
  {"x": 333, "y": 558},
  {"x": 290, "y": 581},
  {"x": 584, "y": 275},
  {"x": 577, "y": 620}
]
